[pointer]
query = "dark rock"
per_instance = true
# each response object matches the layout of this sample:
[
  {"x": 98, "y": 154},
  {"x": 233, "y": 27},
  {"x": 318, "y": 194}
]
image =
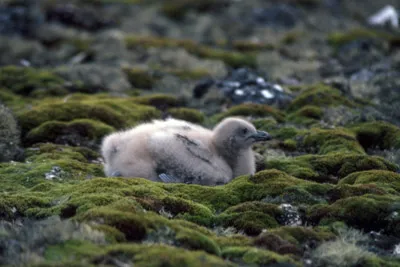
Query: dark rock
[
  {"x": 279, "y": 15},
  {"x": 290, "y": 216},
  {"x": 243, "y": 85},
  {"x": 95, "y": 77},
  {"x": 359, "y": 53},
  {"x": 20, "y": 17},
  {"x": 86, "y": 18},
  {"x": 382, "y": 244},
  {"x": 201, "y": 88}
]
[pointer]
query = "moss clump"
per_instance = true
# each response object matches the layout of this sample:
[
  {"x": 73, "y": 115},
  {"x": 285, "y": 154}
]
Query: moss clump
[
  {"x": 330, "y": 167},
  {"x": 275, "y": 243},
  {"x": 249, "y": 46},
  {"x": 194, "y": 74},
  {"x": 232, "y": 58},
  {"x": 253, "y": 110},
  {"x": 306, "y": 115},
  {"x": 367, "y": 212},
  {"x": 265, "y": 124},
  {"x": 139, "y": 78},
  {"x": 330, "y": 141},
  {"x": 160, "y": 101},
  {"x": 161, "y": 255},
  {"x": 289, "y": 144},
  {"x": 381, "y": 178},
  {"x": 377, "y": 134},
  {"x": 254, "y": 256},
  {"x": 187, "y": 114},
  {"x": 9, "y": 135},
  {"x": 177, "y": 9},
  {"x": 76, "y": 132},
  {"x": 250, "y": 217},
  {"x": 118, "y": 113},
  {"x": 340, "y": 38},
  {"x": 25, "y": 81},
  {"x": 61, "y": 164},
  {"x": 270, "y": 184},
  {"x": 300, "y": 235},
  {"x": 320, "y": 96},
  {"x": 217, "y": 198}
]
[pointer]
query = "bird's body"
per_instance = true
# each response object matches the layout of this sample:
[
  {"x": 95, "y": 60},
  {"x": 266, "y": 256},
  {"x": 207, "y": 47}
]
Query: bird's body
[{"x": 179, "y": 151}]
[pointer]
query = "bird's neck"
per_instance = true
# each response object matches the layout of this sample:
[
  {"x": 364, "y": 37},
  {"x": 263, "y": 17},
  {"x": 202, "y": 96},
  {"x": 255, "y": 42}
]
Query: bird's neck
[{"x": 241, "y": 161}]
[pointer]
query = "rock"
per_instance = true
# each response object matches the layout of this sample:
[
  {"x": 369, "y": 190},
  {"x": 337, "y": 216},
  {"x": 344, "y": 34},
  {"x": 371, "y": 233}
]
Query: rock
[
  {"x": 386, "y": 16},
  {"x": 243, "y": 85},
  {"x": 95, "y": 77},
  {"x": 9, "y": 135},
  {"x": 380, "y": 87},
  {"x": 281, "y": 15},
  {"x": 82, "y": 17},
  {"x": 15, "y": 51},
  {"x": 20, "y": 17}
]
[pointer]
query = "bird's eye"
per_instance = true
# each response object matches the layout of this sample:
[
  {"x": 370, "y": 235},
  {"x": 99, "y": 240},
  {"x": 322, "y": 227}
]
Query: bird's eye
[{"x": 245, "y": 130}]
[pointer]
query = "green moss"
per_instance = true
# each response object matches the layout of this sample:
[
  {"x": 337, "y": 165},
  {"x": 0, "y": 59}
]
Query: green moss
[
  {"x": 72, "y": 249},
  {"x": 232, "y": 58},
  {"x": 187, "y": 210},
  {"x": 375, "y": 261},
  {"x": 134, "y": 226},
  {"x": 177, "y": 9},
  {"x": 368, "y": 212},
  {"x": 381, "y": 178},
  {"x": 253, "y": 110},
  {"x": 329, "y": 167},
  {"x": 250, "y": 46},
  {"x": 254, "y": 256},
  {"x": 251, "y": 217},
  {"x": 306, "y": 115},
  {"x": 320, "y": 96},
  {"x": 265, "y": 124},
  {"x": 330, "y": 141},
  {"x": 300, "y": 235},
  {"x": 75, "y": 132},
  {"x": 292, "y": 37},
  {"x": 65, "y": 163},
  {"x": 343, "y": 191},
  {"x": 187, "y": 114},
  {"x": 118, "y": 112},
  {"x": 377, "y": 134},
  {"x": 112, "y": 235},
  {"x": 162, "y": 255},
  {"x": 139, "y": 78},
  {"x": 16, "y": 205},
  {"x": 196, "y": 241},
  {"x": 161, "y": 101},
  {"x": 270, "y": 184},
  {"x": 289, "y": 144},
  {"x": 26, "y": 81},
  {"x": 216, "y": 198},
  {"x": 340, "y": 38},
  {"x": 194, "y": 74},
  {"x": 251, "y": 223}
]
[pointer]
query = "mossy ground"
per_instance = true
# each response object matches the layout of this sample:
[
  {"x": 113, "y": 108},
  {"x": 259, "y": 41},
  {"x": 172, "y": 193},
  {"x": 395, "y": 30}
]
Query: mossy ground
[
  {"x": 328, "y": 174},
  {"x": 67, "y": 181}
]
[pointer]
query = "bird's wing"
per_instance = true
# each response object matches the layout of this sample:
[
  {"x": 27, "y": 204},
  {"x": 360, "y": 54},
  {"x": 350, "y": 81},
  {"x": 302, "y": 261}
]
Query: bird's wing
[
  {"x": 188, "y": 159},
  {"x": 195, "y": 147}
]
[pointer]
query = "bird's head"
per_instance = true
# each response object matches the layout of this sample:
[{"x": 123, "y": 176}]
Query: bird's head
[{"x": 237, "y": 134}]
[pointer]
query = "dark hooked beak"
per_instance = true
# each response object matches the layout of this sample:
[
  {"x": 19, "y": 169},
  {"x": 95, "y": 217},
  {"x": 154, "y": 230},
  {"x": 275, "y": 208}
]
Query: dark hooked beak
[{"x": 261, "y": 136}]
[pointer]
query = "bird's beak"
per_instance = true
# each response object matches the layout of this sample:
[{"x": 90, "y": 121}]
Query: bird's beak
[{"x": 261, "y": 136}]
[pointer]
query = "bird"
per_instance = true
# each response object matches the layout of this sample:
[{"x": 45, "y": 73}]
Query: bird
[{"x": 176, "y": 151}]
